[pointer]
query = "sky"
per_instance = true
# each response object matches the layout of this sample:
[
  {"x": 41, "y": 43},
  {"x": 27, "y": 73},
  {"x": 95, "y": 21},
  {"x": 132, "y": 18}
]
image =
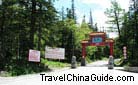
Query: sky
[
  {"x": 98, "y": 7},
  {"x": 0, "y": 2}
]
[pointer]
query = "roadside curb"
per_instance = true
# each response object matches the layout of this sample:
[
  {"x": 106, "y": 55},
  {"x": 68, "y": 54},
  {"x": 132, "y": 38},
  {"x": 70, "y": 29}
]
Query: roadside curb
[{"x": 131, "y": 69}]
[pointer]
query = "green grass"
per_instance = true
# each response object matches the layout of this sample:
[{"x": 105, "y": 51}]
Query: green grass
[
  {"x": 54, "y": 64},
  {"x": 17, "y": 70},
  {"x": 5, "y": 74},
  {"x": 88, "y": 60},
  {"x": 34, "y": 68},
  {"x": 104, "y": 58}
]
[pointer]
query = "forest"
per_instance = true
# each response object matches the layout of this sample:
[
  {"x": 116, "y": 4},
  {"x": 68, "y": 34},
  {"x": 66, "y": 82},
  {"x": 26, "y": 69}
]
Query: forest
[{"x": 35, "y": 24}]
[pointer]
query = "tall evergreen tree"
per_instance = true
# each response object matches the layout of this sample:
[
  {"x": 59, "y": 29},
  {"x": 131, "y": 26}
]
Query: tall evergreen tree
[
  {"x": 115, "y": 15},
  {"x": 22, "y": 24},
  {"x": 91, "y": 20},
  {"x": 73, "y": 10}
]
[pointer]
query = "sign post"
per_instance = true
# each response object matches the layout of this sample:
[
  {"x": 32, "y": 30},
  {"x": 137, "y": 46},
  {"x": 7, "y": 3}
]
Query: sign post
[
  {"x": 125, "y": 52},
  {"x": 34, "y": 56},
  {"x": 54, "y": 53}
]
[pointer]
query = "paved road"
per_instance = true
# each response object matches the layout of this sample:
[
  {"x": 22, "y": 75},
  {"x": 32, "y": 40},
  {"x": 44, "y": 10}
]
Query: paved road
[{"x": 79, "y": 76}]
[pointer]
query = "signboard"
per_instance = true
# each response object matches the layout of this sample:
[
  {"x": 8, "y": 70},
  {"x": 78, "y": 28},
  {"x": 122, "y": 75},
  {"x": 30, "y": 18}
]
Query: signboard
[
  {"x": 54, "y": 53},
  {"x": 125, "y": 52},
  {"x": 97, "y": 39},
  {"x": 34, "y": 56}
]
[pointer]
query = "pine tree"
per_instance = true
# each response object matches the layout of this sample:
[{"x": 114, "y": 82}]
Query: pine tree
[
  {"x": 91, "y": 20},
  {"x": 115, "y": 15}
]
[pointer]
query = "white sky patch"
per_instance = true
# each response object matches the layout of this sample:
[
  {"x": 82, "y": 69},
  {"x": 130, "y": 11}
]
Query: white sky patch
[
  {"x": 79, "y": 15},
  {"x": 102, "y": 3},
  {"x": 113, "y": 35},
  {"x": 100, "y": 18},
  {"x": 106, "y": 3},
  {"x": 124, "y": 4},
  {"x": 0, "y": 2}
]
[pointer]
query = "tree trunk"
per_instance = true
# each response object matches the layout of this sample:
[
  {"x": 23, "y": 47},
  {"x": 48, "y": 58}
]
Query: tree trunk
[
  {"x": 2, "y": 46},
  {"x": 39, "y": 29},
  {"x": 117, "y": 23},
  {"x": 33, "y": 20}
]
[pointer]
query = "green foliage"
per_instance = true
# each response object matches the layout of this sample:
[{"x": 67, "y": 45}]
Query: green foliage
[
  {"x": 128, "y": 38},
  {"x": 25, "y": 25},
  {"x": 127, "y": 29},
  {"x": 71, "y": 36},
  {"x": 34, "y": 24},
  {"x": 82, "y": 33},
  {"x": 91, "y": 52},
  {"x": 115, "y": 14},
  {"x": 54, "y": 64}
]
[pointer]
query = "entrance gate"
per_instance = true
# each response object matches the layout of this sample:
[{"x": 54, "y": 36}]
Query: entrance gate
[{"x": 97, "y": 39}]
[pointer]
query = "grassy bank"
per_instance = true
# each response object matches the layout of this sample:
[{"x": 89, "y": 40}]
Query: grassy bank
[
  {"x": 44, "y": 66},
  {"x": 32, "y": 67},
  {"x": 54, "y": 64}
]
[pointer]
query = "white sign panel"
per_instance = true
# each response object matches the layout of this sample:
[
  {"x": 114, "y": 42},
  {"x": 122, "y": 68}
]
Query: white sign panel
[
  {"x": 54, "y": 53},
  {"x": 34, "y": 56}
]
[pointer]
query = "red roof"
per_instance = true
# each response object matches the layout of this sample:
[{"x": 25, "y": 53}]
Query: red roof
[
  {"x": 85, "y": 41},
  {"x": 97, "y": 33},
  {"x": 109, "y": 40}
]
